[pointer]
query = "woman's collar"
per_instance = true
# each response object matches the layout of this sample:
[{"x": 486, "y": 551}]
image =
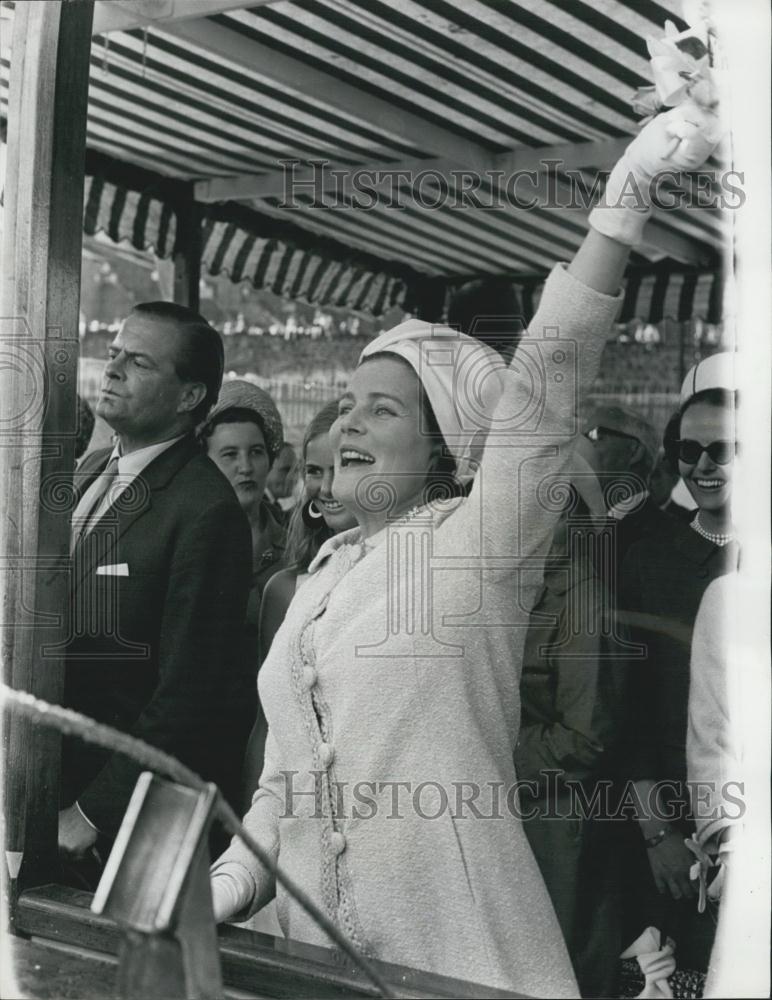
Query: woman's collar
[{"x": 351, "y": 536}]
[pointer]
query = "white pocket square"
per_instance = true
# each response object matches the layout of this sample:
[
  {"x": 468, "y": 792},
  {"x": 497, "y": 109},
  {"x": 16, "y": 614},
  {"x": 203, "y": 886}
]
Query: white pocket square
[{"x": 117, "y": 569}]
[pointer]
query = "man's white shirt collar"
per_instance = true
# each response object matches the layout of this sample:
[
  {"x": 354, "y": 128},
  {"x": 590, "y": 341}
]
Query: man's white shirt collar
[{"x": 136, "y": 461}]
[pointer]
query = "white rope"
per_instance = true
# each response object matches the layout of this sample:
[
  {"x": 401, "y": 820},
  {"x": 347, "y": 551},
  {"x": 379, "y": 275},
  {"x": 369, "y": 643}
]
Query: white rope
[{"x": 71, "y": 723}]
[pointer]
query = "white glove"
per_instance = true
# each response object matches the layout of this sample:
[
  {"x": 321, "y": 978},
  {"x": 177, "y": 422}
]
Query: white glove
[
  {"x": 232, "y": 892},
  {"x": 680, "y": 139},
  {"x": 656, "y": 961}
]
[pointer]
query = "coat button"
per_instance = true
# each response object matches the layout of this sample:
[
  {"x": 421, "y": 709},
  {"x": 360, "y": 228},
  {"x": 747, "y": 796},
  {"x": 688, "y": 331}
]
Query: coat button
[
  {"x": 326, "y": 754},
  {"x": 310, "y": 677},
  {"x": 337, "y": 842}
]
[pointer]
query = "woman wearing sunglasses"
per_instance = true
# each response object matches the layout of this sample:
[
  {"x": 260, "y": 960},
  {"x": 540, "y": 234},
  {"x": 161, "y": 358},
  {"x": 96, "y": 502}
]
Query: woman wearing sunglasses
[
  {"x": 661, "y": 586},
  {"x": 705, "y": 455}
]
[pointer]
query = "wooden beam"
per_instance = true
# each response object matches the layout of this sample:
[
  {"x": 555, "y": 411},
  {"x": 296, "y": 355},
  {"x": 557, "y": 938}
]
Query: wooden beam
[
  {"x": 187, "y": 257},
  {"x": 274, "y": 184},
  {"x": 601, "y": 154},
  {"x": 327, "y": 179},
  {"x": 120, "y": 15},
  {"x": 295, "y": 75},
  {"x": 39, "y": 299}
]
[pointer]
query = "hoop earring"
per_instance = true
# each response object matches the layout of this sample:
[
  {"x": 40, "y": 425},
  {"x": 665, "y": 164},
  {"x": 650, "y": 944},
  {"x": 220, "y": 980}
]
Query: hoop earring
[{"x": 312, "y": 516}]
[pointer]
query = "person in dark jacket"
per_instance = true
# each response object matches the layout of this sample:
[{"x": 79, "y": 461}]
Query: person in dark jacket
[
  {"x": 572, "y": 699},
  {"x": 160, "y": 577},
  {"x": 663, "y": 581}
]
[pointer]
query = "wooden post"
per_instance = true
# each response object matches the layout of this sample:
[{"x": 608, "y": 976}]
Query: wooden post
[
  {"x": 187, "y": 256},
  {"x": 39, "y": 300},
  {"x": 156, "y": 887}
]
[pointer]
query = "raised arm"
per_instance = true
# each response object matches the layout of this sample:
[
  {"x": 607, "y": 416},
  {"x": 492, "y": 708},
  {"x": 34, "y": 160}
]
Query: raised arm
[{"x": 557, "y": 361}]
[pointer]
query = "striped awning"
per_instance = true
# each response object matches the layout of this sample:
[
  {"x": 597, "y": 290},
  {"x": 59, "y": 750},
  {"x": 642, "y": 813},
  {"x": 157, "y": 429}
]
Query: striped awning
[
  {"x": 434, "y": 93},
  {"x": 247, "y": 248},
  {"x": 144, "y": 210}
]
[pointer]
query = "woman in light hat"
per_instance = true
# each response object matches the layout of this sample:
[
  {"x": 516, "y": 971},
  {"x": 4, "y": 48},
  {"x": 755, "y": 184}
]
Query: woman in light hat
[
  {"x": 662, "y": 583},
  {"x": 242, "y": 435},
  {"x": 391, "y": 688}
]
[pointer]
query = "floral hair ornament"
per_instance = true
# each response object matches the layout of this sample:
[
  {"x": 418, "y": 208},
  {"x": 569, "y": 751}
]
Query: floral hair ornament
[{"x": 685, "y": 66}]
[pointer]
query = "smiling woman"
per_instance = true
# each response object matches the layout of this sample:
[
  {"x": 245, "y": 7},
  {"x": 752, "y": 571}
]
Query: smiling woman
[
  {"x": 387, "y": 432},
  {"x": 706, "y": 451},
  {"x": 400, "y": 656},
  {"x": 379, "y": 438}
]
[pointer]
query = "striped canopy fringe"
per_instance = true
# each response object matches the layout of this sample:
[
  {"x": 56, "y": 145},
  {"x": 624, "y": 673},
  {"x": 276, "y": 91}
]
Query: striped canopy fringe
[{"x": 149, "y": 223}]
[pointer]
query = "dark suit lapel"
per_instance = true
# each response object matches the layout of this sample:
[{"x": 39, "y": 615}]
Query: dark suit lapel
[
  {"x": 88, "y": 470},
  {"x": 130, "y": 506}
]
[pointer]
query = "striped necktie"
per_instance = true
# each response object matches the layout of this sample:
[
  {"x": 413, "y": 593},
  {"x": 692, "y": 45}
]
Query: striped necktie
[{"x": 83, "y": 523}]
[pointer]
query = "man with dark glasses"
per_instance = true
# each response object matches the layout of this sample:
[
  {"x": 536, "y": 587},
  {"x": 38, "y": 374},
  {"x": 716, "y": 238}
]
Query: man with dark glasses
[{"x": 621, "y": 446}]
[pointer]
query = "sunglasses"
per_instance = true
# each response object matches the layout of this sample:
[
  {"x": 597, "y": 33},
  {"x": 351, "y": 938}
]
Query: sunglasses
[{"x": 719, "y": 452}]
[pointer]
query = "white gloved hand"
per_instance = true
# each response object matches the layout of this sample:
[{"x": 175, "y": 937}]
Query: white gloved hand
[
  {"x": 680, "y": 139},
  {"x": 656, "y": 960},
  {"x": 232, "y": 892}
]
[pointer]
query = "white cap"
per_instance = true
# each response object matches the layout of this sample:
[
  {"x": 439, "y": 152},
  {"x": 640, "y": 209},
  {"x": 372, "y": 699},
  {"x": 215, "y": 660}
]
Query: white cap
[{"x": 715, "y": 372}]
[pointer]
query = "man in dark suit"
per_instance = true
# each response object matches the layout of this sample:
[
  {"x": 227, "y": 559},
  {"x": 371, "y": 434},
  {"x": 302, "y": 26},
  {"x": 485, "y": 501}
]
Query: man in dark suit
[{"x": 161, "y": 559}]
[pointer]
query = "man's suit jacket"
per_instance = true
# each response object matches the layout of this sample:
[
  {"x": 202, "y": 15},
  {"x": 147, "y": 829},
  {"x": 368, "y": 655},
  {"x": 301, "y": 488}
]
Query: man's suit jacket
[{"x": 156, "y": 645}]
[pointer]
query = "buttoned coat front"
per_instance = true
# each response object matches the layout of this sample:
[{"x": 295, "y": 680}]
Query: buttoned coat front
[{"x": 391, "y": 693}]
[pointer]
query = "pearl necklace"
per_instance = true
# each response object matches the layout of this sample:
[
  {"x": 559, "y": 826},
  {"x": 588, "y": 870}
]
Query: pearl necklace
[{"x": 712, "y": 536}]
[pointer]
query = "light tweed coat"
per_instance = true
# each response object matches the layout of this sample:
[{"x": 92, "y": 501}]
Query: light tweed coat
[{"x": 399, "y": 661}]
